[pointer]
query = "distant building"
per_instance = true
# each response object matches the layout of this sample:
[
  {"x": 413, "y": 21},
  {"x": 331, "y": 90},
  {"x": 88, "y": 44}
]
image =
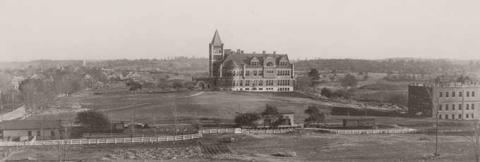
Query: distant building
[
  {"x": 257, "y": 72},
  {"x": 17, "y": 130},
  {"x": 453, "y": 100},
  {"x": 287, "y": 120}
]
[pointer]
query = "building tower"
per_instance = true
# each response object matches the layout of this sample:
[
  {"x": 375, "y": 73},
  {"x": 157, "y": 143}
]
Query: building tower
[{"x": 215, "y": 54}]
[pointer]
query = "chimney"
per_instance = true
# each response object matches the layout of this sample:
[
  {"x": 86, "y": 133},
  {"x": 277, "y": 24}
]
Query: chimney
[
  {"x": 238, "y": 50},
  {"x": 242, "y": 51},
  {"x": 274, "y": 52},
  {"x": 263, "y": 52}
]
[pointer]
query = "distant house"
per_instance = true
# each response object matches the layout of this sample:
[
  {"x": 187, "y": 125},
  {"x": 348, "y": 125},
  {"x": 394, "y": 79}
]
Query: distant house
[
  {"x": 20, "y": 130},
  {"x": 287, "y": 120}
]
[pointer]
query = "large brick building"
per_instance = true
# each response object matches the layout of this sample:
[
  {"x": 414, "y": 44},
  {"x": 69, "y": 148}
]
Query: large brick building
[
  {"x": 454, "y": 100},
  {"x": 258, "y": 72}
]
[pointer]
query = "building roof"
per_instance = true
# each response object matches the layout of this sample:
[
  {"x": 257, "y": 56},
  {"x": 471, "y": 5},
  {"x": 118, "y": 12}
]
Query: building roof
[
  {"x": 30, "y": 124},
  {"x": 216, "y": 41},
  {"x": 240, "y": 59}
]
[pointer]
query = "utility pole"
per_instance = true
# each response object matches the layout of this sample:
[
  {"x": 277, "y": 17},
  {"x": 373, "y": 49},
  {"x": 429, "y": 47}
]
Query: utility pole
[
  {"x": 133, "y": 122},
  {"x": 435, "y": 107}
]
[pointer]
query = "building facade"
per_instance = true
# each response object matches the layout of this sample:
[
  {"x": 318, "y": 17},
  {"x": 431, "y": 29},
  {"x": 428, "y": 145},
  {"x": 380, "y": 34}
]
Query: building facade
[
  {"x": 239, "y": 71},
  {"x": 21, "y": 130},
  {"x": 453, "y": 101}
]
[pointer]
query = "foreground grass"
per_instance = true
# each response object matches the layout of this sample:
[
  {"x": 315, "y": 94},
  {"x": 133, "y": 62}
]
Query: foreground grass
[{"x": 307, "y": 147}]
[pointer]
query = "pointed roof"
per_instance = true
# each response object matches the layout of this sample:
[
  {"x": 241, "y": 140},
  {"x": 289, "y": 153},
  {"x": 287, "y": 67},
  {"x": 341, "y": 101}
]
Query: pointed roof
[{"x": 216, "y": 39}]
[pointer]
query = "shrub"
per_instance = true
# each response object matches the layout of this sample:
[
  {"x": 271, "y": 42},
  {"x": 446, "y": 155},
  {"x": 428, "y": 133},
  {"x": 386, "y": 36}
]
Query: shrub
[
  {"x": 93, "y": 121},
  {"x": 246, "y": 119}
]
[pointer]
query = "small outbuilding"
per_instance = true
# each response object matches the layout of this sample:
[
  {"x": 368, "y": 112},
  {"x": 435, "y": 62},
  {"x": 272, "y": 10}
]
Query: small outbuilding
[{"x": 21, "y": 130}]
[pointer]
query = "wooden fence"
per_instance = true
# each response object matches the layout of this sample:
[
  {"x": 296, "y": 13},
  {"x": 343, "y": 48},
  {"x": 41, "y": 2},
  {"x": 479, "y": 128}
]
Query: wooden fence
[
  {"x": 104, "y": 140},
  {"x": 147, "y": 139},
  {"x": 246, "y": 130},
  {"x": 367, "y": 131}
]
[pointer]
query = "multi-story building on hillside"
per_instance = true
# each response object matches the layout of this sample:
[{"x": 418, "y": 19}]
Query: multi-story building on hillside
[
  {"x": 457, "y": 101},
  {"x": 258, "y": 72}
]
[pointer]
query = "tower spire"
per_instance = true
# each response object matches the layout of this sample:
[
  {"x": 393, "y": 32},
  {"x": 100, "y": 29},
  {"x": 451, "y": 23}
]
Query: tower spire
[{"x": 216, "y": 39}]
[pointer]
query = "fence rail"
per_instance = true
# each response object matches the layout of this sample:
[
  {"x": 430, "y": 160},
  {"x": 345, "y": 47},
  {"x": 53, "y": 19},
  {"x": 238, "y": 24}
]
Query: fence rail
[
  {"x": 104, "y": 140},
  {"x": 367, "y": 131},
  {"x": 247, "y": 130},
  {"x": 84, "y": 141}
]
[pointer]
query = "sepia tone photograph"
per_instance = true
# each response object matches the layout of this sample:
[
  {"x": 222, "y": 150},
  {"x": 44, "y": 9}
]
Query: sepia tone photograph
[{"x": 239, "y": 81}]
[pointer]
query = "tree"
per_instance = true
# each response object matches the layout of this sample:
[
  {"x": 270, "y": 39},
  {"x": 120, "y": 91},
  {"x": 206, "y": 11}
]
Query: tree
[
  {"x": 271, "y": 116},
  {"x": 246, "y": 119},
  {"x": 313, "y": 74},
  {"x": 349, "y": 81},
  {"x": 93, "y": 121},
  {"x": 133, "y": 85},
  {"x": 326, "y": 92},
  {"x": 315, "y": 115}
]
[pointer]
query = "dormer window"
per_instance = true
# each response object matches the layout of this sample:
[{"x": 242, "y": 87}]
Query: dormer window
[
  {"x": 254, "y": 61},
  {"x": 283, "y": 61},
  {"x": 269, "y": 63}
]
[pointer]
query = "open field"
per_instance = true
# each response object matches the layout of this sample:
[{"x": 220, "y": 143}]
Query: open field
[
  {"x": 305, "y": 147},
  {"x": 191, "y": 106},
  {"x": 162, "y": 107}
]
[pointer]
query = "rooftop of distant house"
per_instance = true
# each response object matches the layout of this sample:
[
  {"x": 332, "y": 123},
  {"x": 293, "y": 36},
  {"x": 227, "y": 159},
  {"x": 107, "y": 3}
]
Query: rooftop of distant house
[{"x": 30, "y": 124}]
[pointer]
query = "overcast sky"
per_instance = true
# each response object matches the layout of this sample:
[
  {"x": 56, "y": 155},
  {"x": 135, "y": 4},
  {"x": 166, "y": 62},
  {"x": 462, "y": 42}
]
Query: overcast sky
[{"x": 117, "y": 29}]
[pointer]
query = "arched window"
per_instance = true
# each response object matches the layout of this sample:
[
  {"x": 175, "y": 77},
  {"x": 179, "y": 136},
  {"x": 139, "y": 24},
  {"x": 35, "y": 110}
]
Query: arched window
[{"x": 270, "y": 64}]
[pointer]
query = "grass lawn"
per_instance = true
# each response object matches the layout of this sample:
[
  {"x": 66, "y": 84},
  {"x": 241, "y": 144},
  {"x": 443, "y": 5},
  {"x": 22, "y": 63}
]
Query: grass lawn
[
  {"x": 162, "y": 107},
  {"x": 355, "y": 148},
  {"x": 307, "y": 147}
]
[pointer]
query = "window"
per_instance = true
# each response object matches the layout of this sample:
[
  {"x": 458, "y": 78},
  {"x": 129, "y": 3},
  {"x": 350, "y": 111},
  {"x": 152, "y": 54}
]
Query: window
[
  {"x": 453, "y": 116},
  {"x": 440, "y": 94},
  {"x": 52, "y": 133},
  {"x": 460, "y": 106},
  {"x": 38, "y": 133},
  {"x": 466, "y": 116},
  {"x": 472, "y": 115},
  {"x": 29, "y": 133},
  {"x": 473, "y": 106},
  {"x": 453, "y": 93},
  {"x": 446, "y": 107},
  {"x": 446, "y": 94},
  {"x": 255, "y": 73},
  {"x": 439, "y": 116},
  {"x": 468, "y": 93},
  {"x": 473, "y": 93},
  {"x": 247, "y": 73},
  {"x": 446, "y": 116},
  {"x": 459, "y": 116},
  {"x": 453, "y": 106},
  {"x": 270, "y": 64},
  {"x": 440, "y": 107},
  {"x": 460, "y": 94}
]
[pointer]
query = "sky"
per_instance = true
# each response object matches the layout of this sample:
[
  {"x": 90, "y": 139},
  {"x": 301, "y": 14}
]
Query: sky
[{"x": 136, "y": 29}]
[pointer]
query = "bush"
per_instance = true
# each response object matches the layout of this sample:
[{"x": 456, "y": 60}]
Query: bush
[
  {"x": 246, "y": 119},
  {"x": 326, "y": 92},
  {"x": 315, "y": 116},
  {"x": 349, "y": 81},
  {"x": 93, "y": 121}
]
